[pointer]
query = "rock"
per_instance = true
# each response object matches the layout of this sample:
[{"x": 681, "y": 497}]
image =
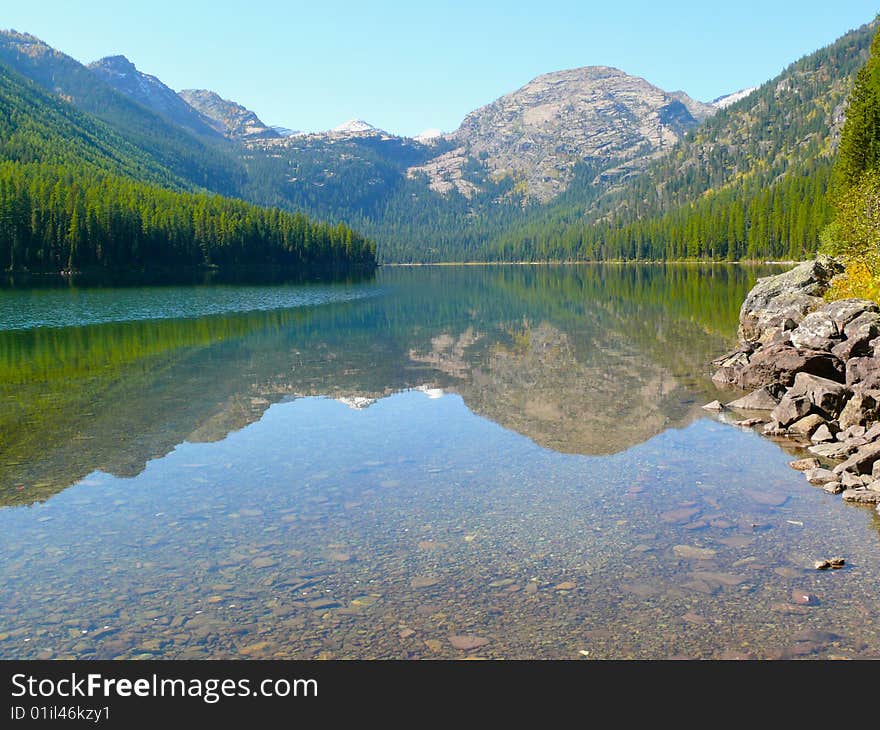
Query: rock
[
  {"x": 874, "y": 485},
  {"x": 775, "y": 366},
  {"x": 265, "y": 562},
  {"x": 853, "y": 481},
  {"x": 833, "y": 488},
  {"x": 822, "y": 565},
  {"x": 748, "y": 422},
  {"x": 865, "y": 370},
  {"x": 851, "y": 432},
  {"x": 873, "y": 433},
  {"x": 680, "y": 516},
  {"x": 804, "y": 464},
  {"x": 830, "y": 450},
  {"x": 859, "y": 333},
  {"x": 259, "y": 647},
  {"x": 820, "y": 476},
  {"x": 844, "y": 311},
  {"x": 424, "y": 581},
  {"x": 758, "y": 400},
  {"x": 817, "y": 331},
  {"x": 862, "y": 461},
  {"x": 406, "y": 633},
  {"x": 694, "y": 553},
  {"x": 736, "y": 358},
  {"x": 565, "y": 586},
  {"x": 803, "y": 598},
  {"x": 790, "y": 295},
  {"x": 791, "y": 409},
  {"x": 822, "y": 434},
  {"x": 864, "y": 406},
  {"x": 861, "y": 496},
  {"x": 321, "y": 604},
  {"x": 827, "y": 395},
  {"x": 773, "y": 429},
  {"x": 467, "y": 643},
  {"x": 715, "y": 405},
  {"x": 837, "y": 563},
  {"x": 806, "y": 425}
]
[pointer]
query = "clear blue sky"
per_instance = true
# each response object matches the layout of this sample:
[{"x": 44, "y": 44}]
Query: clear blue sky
[{"x": 406, "y": 66}]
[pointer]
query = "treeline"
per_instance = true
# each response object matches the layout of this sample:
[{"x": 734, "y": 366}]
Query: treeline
[
  {"x": 742, "y": 221},
  {"x": 66, "y": 217}
]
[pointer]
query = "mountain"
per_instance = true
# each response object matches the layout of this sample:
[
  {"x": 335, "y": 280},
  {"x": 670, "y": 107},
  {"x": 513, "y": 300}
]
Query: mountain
[
  {"x": 722, "y": 102},
  {"x": 77, "y": 194},
  {"x": 698, "y": 109},
  {"x": 148, "y": 91},
  {"x": 227, "y": 117},
  {"x": 285, "y": 131},
  {"x": 355, "y": 126},
  {"x": 200, "y": 161},
  {"x": 594, "y": 115},
  {"x": 428, "y": 136},
  {"x": 750, "y": 182}
]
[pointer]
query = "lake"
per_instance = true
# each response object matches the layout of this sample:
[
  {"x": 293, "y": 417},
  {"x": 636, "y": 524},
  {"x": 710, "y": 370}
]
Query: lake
[{"x": 498, "y": 461}]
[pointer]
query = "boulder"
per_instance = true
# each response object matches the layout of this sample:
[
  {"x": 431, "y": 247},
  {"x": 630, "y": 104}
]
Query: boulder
[
  {"x": 863, "y": 370},
  {"x": 787, "y": 296},
  {"x": 791, "y": 409},
  {"x": 820, "y": 476},
  {"x": 735, "y": 358},
  {"x": 804, "y": 464},
  {"x": 861, "y": 462},
  {"x": 858, "y": 334},
  {"x": 861, "y": 496},
  {"x": 854, "y": 481},
  {"x": 827, "y": 395},
  {"x": 817, "y": 331},
  {"x": 758, "y": 400},
  {"x": 864, "y": 406},
  {"x": 844, "y": 311},
  {"x": 830, "y": 450},
  {"x": 822, "y": 435},
  {"x": 853, "y": 432},
  {"x": 806, "y": 425},
  {"x": 775, "y": 366},
  {"x": 715, "y": 405},
  {"x": 873, "y": 433}
]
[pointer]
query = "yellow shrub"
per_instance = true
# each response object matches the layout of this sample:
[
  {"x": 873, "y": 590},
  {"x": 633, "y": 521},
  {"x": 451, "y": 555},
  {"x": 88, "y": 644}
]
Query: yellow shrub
[{"x": 858, "y": 280}]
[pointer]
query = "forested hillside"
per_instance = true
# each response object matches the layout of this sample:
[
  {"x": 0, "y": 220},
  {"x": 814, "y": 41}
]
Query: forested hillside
[
  {"x": 751, "y": 182},
  {"x": 75, "y": 194}
]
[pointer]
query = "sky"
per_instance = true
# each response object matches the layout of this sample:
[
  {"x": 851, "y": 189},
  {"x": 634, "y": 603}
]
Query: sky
[{"x": 409, "y": 66}]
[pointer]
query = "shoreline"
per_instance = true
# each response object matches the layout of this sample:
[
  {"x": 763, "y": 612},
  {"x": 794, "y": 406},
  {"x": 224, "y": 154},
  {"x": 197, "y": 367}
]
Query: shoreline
[
  {"x": 615, "y": 262},
  {"x": 807, "y": 372}
]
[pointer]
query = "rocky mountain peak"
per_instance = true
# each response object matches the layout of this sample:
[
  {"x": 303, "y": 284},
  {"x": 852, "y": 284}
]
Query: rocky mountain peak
[
  {"x": 114, "y": 64},
  {"x": 150, "y": 92},
  {"x": 227, "y": 117},
  {"x": 597, "y": 115},
  {"x": 355, "y": 126}
]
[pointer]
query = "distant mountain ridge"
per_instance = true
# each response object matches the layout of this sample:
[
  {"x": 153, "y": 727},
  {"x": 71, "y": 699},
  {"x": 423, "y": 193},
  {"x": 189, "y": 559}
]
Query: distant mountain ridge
[
  {"x": 147, "y": 90},
  {"x": 579, "y": 163},
  {"x": 228, "y": 117}
]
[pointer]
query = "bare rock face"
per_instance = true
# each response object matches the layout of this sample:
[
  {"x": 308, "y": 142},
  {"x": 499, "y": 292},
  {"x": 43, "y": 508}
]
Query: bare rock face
[
  {"x": 777, "y": 302},
  {"x": 227, "y": 117},
  {"x": 594, "y": 114}
]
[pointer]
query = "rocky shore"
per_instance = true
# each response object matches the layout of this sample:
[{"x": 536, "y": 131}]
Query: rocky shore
[{"x": 808, "y": 371}]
